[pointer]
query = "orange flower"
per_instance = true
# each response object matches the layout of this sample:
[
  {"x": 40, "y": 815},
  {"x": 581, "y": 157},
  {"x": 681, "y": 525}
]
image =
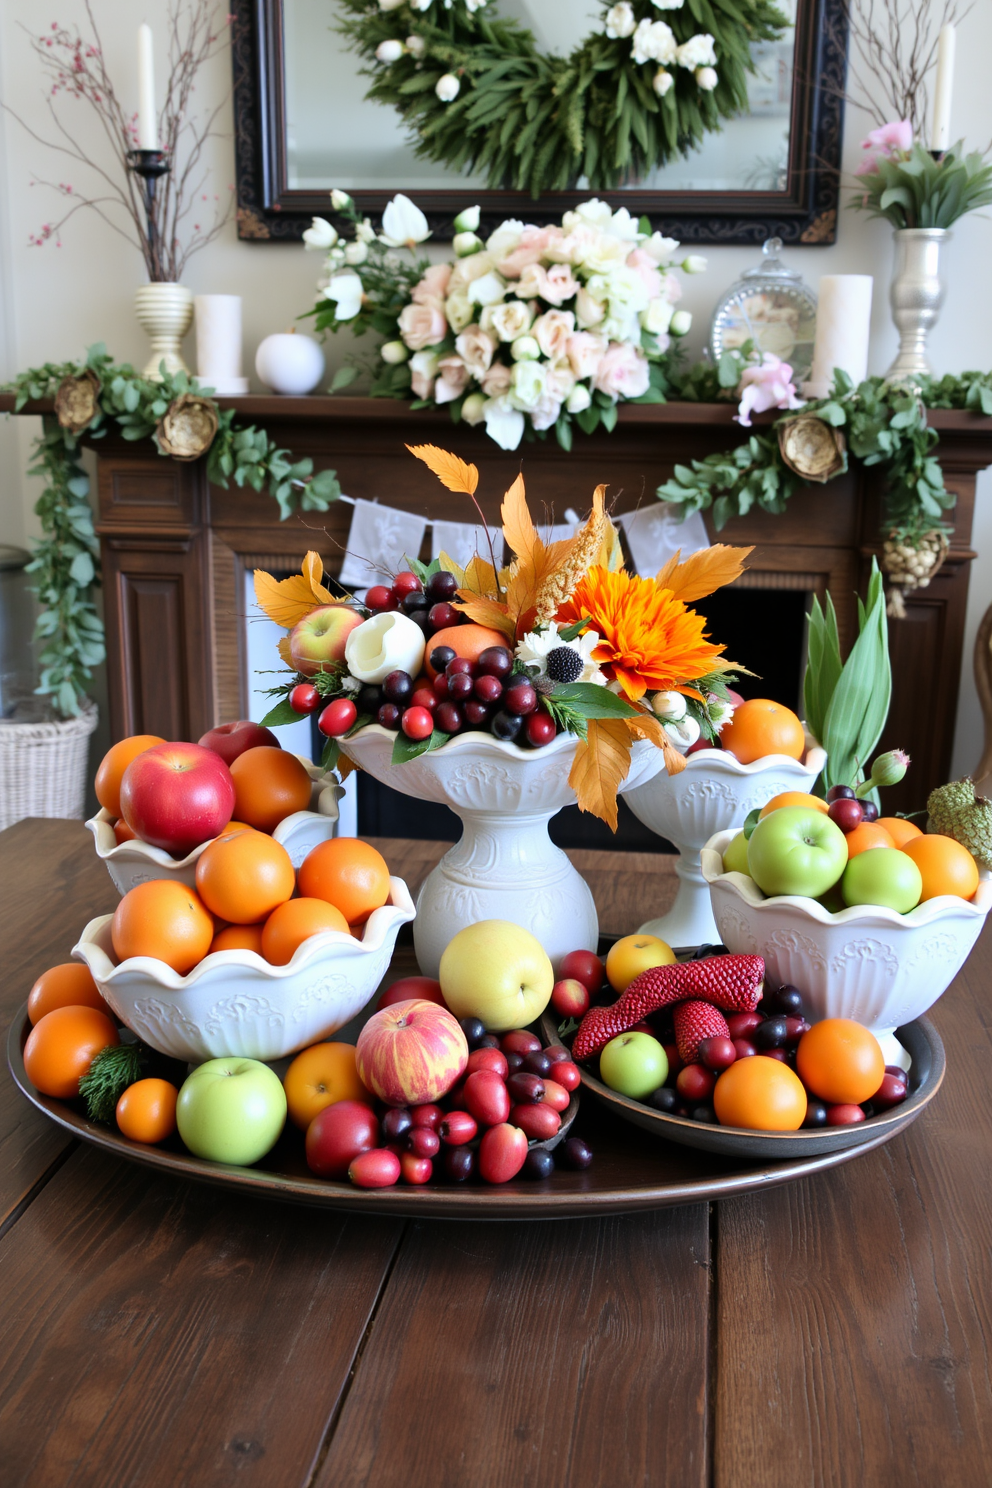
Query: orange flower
[{"x": 650, "y": 641}]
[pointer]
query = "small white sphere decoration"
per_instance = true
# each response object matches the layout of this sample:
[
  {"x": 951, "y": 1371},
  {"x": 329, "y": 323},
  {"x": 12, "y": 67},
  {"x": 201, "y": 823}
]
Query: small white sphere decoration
[
  {"x": 447, "y": 88},
  {"x": 289, "y": 363}
]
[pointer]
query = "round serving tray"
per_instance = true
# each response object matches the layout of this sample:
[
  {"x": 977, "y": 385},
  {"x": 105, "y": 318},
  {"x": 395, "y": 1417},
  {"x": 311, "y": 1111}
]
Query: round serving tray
[{"x": 631, "y": 1170}]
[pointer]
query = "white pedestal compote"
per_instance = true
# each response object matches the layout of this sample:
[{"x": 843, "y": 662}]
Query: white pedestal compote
[{"x": 505, "y": 866}]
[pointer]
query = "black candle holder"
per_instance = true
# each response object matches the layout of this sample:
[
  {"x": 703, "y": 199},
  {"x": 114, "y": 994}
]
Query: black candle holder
[{"x": 149, "y": 165}]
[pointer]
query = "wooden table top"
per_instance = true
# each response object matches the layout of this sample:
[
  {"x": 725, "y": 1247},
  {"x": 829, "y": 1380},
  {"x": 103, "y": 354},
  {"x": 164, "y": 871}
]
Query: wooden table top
[{"x": 834, "y": 1333}]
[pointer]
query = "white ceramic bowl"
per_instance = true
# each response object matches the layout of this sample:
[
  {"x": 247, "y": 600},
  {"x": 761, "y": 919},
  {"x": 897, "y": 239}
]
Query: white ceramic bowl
[
  {"x": 235, "y": 1003},
  {"x": 881, "y": 968},
  {"x": 713, "y": 793},
  {"x": 135, "y": 862}
]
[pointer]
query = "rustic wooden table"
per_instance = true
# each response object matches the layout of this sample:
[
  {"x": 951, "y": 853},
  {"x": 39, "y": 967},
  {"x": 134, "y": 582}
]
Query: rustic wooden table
[{"x": 154, "y": 1334}]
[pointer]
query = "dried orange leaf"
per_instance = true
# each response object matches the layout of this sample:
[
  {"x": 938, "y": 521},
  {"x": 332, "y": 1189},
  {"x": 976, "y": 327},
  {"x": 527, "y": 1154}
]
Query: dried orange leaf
[
  {"x": 600, "y": 767},
  {"x": 518, "y": 528},
  {"x": 646, "y": 726},
  {"x": 702, "y": 572},
  {"x": 345, "y": 767},
  {"x": 285, "y": 601},
  {"x": 450, "y": 470},
  {"x": 485, "y": 611},
  {"x": 313, "y": 572},
  {"x": 480, "y": 577},
  {"x": 282, "y": 646}
]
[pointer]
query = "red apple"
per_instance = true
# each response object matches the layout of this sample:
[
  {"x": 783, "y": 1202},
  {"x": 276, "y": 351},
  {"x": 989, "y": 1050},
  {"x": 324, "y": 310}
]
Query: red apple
[
  {"x": 176, "y": 796},
  {"x": 584, "y": 967},
  {"x": 422, "y": 989},
  {"x": 231, "y": 739},
  {"x": 411, "y": 1053},
  {"x": 337, "y": 1135},
  {"x": 502, "y": 1153},
  {"x": 320, "y": 636},
  {"x": 570, "y": 998}
]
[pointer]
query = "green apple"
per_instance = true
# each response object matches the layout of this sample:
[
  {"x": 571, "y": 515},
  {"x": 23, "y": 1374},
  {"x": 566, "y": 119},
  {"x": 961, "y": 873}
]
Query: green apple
[
  {"x": 633, "y": 1064},
  {"x": 497, "y": 971},
  {"x": 796, "y": 850},
  {"x": 885, "y": 876},
  {"x": 735, "y": 858},
  {"x": 231, "y": 1110}
]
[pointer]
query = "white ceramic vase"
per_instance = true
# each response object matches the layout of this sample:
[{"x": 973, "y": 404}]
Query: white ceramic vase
[
  {"x": 505, "y": 867},
  {"x": 166, "y": 313},
  {"x": 713, "y": 793}
]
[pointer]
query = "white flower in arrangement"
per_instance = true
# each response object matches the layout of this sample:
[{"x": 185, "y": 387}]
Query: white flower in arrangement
[
  {"x": 707, "y": 78},
  {"x": 473, "y": 5},
  {"x": 452, "y": 379},
  {"x": 468, "y": 220},
  {"x": 509, "y": 320},
  {"x": 546, "y": 412},
  {"x": 504, "y": 423},
  {"x": 467, "y": 270},
  {"x": 527, "y": 385},
  {"x": 505, "y": 238},
  {"x": 695, "y": 263},
  {"x": 447, "y": 88},
  {"x": 696, "y": 52},
  {"x": 662, "y": 82},
  {"x": 476, "y": 348},
  {"x": 560, "y": 379},
  {"x": 488, "y": 289},
  {"x": 525, "y": 349},
  {"x": 593, "y": 213},
  {"x": 320, "y": 235},
  {"x": 603, "y": 253},
  {"x": 579, "y": 399},
  {"x": 459, "y": 310},
  {"x": 389, "y": 51},
  {"x": 657, "y": 317},
  {"x": 465, "y": 243},
  {"x": 537, "y": 646},
  {"x": 719, "y": 711},
  {"x": 684, "y": 734},
  {"x": 394, "y": 352},
  {"x": 660, "y": 248},
  {"x": 670, "y": 707},
  {"x": 624, "y": 226},
  {"x": 552, "y": 330},
  {"x": 423, "y": 370},
  {"x": 403, "y": 223},
  {"x": 620, "y": 21},
  {"x": 474, "y": 409},
  {"x": 681, "y": 323},
  {"x": 340, "y": 200},
  {"x": 654, "y": 41},
  {"x": 416, "y": 46},
  {"x": 346, "y": 292},
  {"x": 365, "y": 232},
  {"x": 588, "y": 310},
  {"x": 668, "y": 4},
  {"x": 356, "y": 253}
]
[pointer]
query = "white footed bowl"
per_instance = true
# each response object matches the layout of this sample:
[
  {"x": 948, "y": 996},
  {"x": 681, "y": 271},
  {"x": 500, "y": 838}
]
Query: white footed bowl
[
  {"x": 135, "y": 862},
  {"x": 881, "y": 968},
  {"x": 234, "y": 1003},
  {"x": 505, "y": 866},
  {"x": 713, "y": 793}
]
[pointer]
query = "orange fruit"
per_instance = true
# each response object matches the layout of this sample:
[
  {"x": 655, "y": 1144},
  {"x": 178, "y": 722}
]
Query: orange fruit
[
  {"x": 61, "y": 1047},
  {"x": 631, "y": 955},
  {"x": 899, "y": 830},
  {"x": 840, "y": 1061},
  {"x": 67, "y": 985},
  {"x": 237, "y": 938},
  {"x": 349, "y": 874},
  {"x": 111, "y": 768},
  {"x": 124, "y": 833},
  {"x": 235, "y": 826},
  {"x": 761, "y": 1094},
  {"x": 794, "y": 798},
  {"x": 866, "y": 835},
  {"x": 760, "y": 727},
  {"x": 243, "y": 877},
  {"x": 465, "y": 640},
  {"x": 945, "y": 865},
  {"x": 320, "y": 1076},
  {"x": 146, "y": 1112},
  {"x": 163, "y": 919},
  {"x": 294, "y": 922},
  {"x": 269, "y": 785}
]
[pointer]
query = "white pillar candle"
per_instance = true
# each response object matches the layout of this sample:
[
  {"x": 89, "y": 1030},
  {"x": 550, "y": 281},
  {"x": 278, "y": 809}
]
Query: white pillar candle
[
  {"x": 843, "y": 324},
  {"x": 218, "y": 344},
  {"x": 940, "y": 139},
  {"x": 147, "y": 123}
]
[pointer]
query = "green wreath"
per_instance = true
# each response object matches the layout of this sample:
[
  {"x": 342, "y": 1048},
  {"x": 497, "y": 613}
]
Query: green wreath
[{"x": 479, "y": 96}]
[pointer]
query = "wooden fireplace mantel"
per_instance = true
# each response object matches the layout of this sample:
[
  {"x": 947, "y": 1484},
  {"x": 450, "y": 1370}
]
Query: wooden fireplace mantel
[{"x": 175, "y": 548}]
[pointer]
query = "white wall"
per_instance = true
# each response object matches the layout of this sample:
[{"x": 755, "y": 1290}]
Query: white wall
[{"x": 55, "y": 301}]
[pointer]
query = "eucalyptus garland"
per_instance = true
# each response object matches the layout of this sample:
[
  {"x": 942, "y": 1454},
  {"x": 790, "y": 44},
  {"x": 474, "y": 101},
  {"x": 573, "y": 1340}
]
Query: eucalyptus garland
[{"x": 479, "y": 96}]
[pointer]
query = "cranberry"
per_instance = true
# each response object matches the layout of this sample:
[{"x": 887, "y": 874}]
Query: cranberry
[
  {"x": 424, "y": 697},
  {"x": 741, "y": 1024},
  {"x": 449, "y": 718},
  {"x": 476, "y": 713},
  {"x": 440, "y": 657},
  {"x": 520, "y": 699},
  {"x": 846, "y": 814},
  {"x": 405, "y": 582},
  {"x": 379, "y": 598},
  {"x": 892, "y": 1092},
  {"x": 495, "y": 661},
  {"x": 840, "y": 793},
  {"x": 375, "y": 1169},
  {"x": 304, "y": 698},
  {"x": 460, "y": 664},
  {"x": 844, "y": 1115},
  {"x": 717, "y": 1053},
  {"x": 457, "y": 1128},
  {"x": 540, "y": 729},
  {"x": 337, "y": 718},
  {"x": 566, "y": 1073},
  {"x": 795, "y": 1028},
  {"x": 398, "y": 688},
  {"x": 415, "y": 1170},
  {"x": 423, "y": 1142},
  {"x": 557, "y": 1053},
  {"x": 430, "y": 1116},
  {"x": 695, "y": 1082},
  {"x": 487, "y": 689},
  {"x": 389, "y": 715},
  {"x": 442, "y": 586},
  {"x": 459, "y": 687},
  {"x": 506, "y": 726},
  {"x": 556, "y": 1095},
  {"x": 540, "y": 1123},
  {"x": 745, "y": 1048},
  {"x": 417, "y": 723}
]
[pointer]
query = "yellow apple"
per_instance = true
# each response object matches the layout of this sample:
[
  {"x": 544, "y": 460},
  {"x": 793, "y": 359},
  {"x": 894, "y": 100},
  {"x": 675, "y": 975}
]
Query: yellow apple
[
  {"x": 628, "y": 957},
  {"x": 498, "y": 972},
  {"x": 735, "y": 858}
]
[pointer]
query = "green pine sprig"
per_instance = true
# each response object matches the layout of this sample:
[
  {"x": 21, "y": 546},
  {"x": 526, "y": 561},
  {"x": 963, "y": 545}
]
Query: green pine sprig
[{"x": 107, "y": 1078}]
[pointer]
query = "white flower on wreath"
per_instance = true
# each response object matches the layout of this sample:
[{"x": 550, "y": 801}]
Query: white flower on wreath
[
  {"x": 620, "y": 21},
  {"x": 389, "y": 51},
  {"x": 473, "y": 5},
  {"x": 707, "y": 78},
  {"x": 416, "y": 46},
  {"x": 668, "y": 4},
  {"x": 696, "y": 52},
  {"x": 662, "y": 82},
  {"x": 403, "y": 223},
  {"x": 467, "y": 270},
  {"x": 537, "y": 645},
  {"x": 346, "y": 292},
  {"x": 391, "y": 4},
  {"x": 654, "y": 41},
  {"x": 447, "y": 88}
]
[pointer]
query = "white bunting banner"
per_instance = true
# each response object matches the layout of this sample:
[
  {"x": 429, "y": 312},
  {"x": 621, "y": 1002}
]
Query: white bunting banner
[
  {"x": 462, "y": 541},
  {"x": 653, "y": 535},
  {"x": 380, "y": 541},
  {"x": 562, "y": 531}
]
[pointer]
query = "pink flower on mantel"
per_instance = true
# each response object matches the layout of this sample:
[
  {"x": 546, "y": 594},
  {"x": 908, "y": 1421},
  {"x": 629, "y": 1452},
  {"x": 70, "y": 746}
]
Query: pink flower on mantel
[
  {"x": 885, "y": 142},
  {"x": 433, "y": 287},
  {"x": 767, "y": 386}
]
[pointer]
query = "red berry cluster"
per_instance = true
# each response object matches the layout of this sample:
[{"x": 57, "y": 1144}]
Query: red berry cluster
[
  {"x": 846, "y": 811},
  {"x": 429, "y": 607}
]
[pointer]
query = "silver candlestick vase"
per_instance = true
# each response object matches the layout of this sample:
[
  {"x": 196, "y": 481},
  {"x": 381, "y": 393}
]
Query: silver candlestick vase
[{"x": 916, "y": 295}]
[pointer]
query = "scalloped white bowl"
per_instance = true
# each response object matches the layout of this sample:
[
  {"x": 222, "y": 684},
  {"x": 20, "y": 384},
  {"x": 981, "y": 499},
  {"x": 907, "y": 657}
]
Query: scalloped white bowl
[
  {"x": 505, "y": 866},
  {"x": 713, "y": 793},
  {"x": 869, "y": 963},
  {"x": 136, "y": 862},
  {"x": 234, "y": 1003}
]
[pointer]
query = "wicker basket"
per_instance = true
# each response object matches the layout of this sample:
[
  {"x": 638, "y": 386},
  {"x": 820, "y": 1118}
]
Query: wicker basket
[{"x": 43, "y": 767}]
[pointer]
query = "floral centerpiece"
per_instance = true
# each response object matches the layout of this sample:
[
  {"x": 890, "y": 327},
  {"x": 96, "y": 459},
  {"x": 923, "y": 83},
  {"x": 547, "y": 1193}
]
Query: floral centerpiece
[{"x": 531, "y": 330}]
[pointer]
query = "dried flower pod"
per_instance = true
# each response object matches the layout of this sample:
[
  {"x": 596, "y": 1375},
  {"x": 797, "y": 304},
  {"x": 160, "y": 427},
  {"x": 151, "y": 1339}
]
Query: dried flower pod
[
  {"x": 910, "y": 564},
  {"x": 187, "y": 427},
  {"x": 77, "y": 401},
  {"x": 811, "y": 447}
]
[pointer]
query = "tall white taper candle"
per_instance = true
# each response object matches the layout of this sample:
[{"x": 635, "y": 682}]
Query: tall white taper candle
[
  {"x": 940, "y": 139},
  {"x": 147, "y": 123},
  {"x": 843, "y": 324}
]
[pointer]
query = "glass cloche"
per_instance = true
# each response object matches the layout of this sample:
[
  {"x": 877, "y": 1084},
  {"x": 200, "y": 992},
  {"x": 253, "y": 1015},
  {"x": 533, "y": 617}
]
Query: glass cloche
[{"x": 771, "y": 306}]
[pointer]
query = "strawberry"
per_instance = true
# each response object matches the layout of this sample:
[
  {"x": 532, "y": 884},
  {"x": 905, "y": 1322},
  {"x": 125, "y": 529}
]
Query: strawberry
[
  {"x": 695, "y": 1021},
  {"x": 730, "y": 982}
]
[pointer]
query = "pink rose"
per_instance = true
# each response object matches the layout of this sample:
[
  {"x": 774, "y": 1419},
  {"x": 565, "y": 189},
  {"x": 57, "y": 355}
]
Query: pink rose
[
  {"x": 672, "y": 289},
  {"x": 533, "y": 245},
  {"x": 452, "y": 379},
  {"x": 497, "y": 380},
  {"x": 562, "y": 284},
  {"x": 433, "y": 287},
  {"x": 647, "y": 271},
  {"x": 585, "y": 351},
  {"x": 552, "y": 330},
  {"x": 623, "y": 371},
  {"x": 422, "y": 325},
  {"x": 545, "y": 414},
  {"x": 476, "y": 348},
  {"x": 767, "y": 386},
  {"x": 560, "y": 380}
]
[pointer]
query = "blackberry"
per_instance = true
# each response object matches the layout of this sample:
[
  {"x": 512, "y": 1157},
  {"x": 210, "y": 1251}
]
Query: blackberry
[{"x": 564, "y": 664}]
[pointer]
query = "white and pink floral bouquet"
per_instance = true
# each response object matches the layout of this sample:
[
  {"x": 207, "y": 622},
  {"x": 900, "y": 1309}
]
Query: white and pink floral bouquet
[{"x": 529, "y": 330}]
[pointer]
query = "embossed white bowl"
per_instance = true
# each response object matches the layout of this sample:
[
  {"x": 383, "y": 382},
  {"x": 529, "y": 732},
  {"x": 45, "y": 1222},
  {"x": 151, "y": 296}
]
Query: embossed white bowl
[
  {"x": 882, "y": 968},
  {"x": 235, "y": 1003},
  {"x": 505, "y": 867},
  {"x": 714, "y": 792},
  {"x": 135, "y": 862}
]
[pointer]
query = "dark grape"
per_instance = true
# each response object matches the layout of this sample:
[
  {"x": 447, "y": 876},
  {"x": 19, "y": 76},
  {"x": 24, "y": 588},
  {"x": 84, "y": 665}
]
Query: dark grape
[
  {"x": 459, "y": 687},
  {"x": 440, "y": 657},
  {"x": 459, "y": 1163},
  {"x": 788, "y": 1000},
  {"x": 816, "y": 1114},
  {"x": 664, "y": 1098},
  {"x": 704, "y": 951},
  {"x": 840, "y": 793},
  {"x": 507, "y": 726},
  {"x": 892, "y": 1092},
  {"x": 846, "y": 814},
  {"x": 420, "y": 617},
  {"x": 488, "y": 1041},
  {"x": 495, "y": 661},
  {"x": 771, "y": 1034},
  {"x": 389, "y": 715},
  {"x": 488, "y": 689},
  {"x": 537, "y": 1064},
  {"x": 703, "y": 1113},
  {"x": 575, "y": 1153},
  {"x": 369, "y": 699},
  {"x": 460, "y": 664},
  {"x": 520, "y": 698},
  {"x": 474, "y": 1029},
  {"x": 440, "y": 686},
  {"x": 396, "y": 1123},
  {"x": 870, "y": 811},
  {"x": 476, "y": 713},
  {"x": 398, "y": 688},
  {"x": 443, "y": 616},
  {"x": 441, "y": 586},
  {"x": 414, "y": 600},
  {"x": 538, "y": 1164},
  {"x": 514, "y": 1062},
  {"x": 449, "y": 718}
]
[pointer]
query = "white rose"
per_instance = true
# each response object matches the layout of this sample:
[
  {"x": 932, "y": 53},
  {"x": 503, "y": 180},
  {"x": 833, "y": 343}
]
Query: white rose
[
  {"x": 489, "y": 289},
  {"x": 468, "y": 220},
  {"x": 416, "y": 46},
  {"x": 620, "y": 21},
  {"x": 467, "y": 270},
  {"x": 394, "y": 352},
  {"x": 707, "y": 78},
  {"x": 552, "y": 330},
  {"x": 661, "y": 82},
  {"x": 657, "y": 317},
  {"x": 681, "y": 322},
  {"x": 506, "y": 237},
  {"x": 525, "y": 349},
  {"x": 560, "y": 380},
  {"x": 474, "y": 409},
  {"x": 447, "y": 88},
  {"x": 594, "y": 213},
  {"x": 403, "y": 223},
  {"x": 476, "y": 349},
  {"x": 504, "y": 423},
  {"x": 588, "y": 310},
  {"x": 660, "y": 248},
  {"x": 603, "y": 253},
  {"x": 365, "y": 232},
  {"x": 527, "y": 385},
  {"x": 465, "y": 243},
  {"x": 340, "y": 200},
  {"x": 654, "y": 41},
  {"x": 460, "y": 311},
  {"x": 509, "y": 320},
  {"x": 356, "y": 253},
  {"x": 694, "y": 264},
  {"x": 579, "y": 399},
  {"x": 696, "y": 52},
  {"x": 624, "y": 226},
  {"x": 669, "y": 706},
  {"x": 389, "y": 51},
  {"x": 387, "y": 643},
  {"x": 545, "y": 413},
  {"x": 320, "y": 235},
  {"x": 423, "y": 369}
]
